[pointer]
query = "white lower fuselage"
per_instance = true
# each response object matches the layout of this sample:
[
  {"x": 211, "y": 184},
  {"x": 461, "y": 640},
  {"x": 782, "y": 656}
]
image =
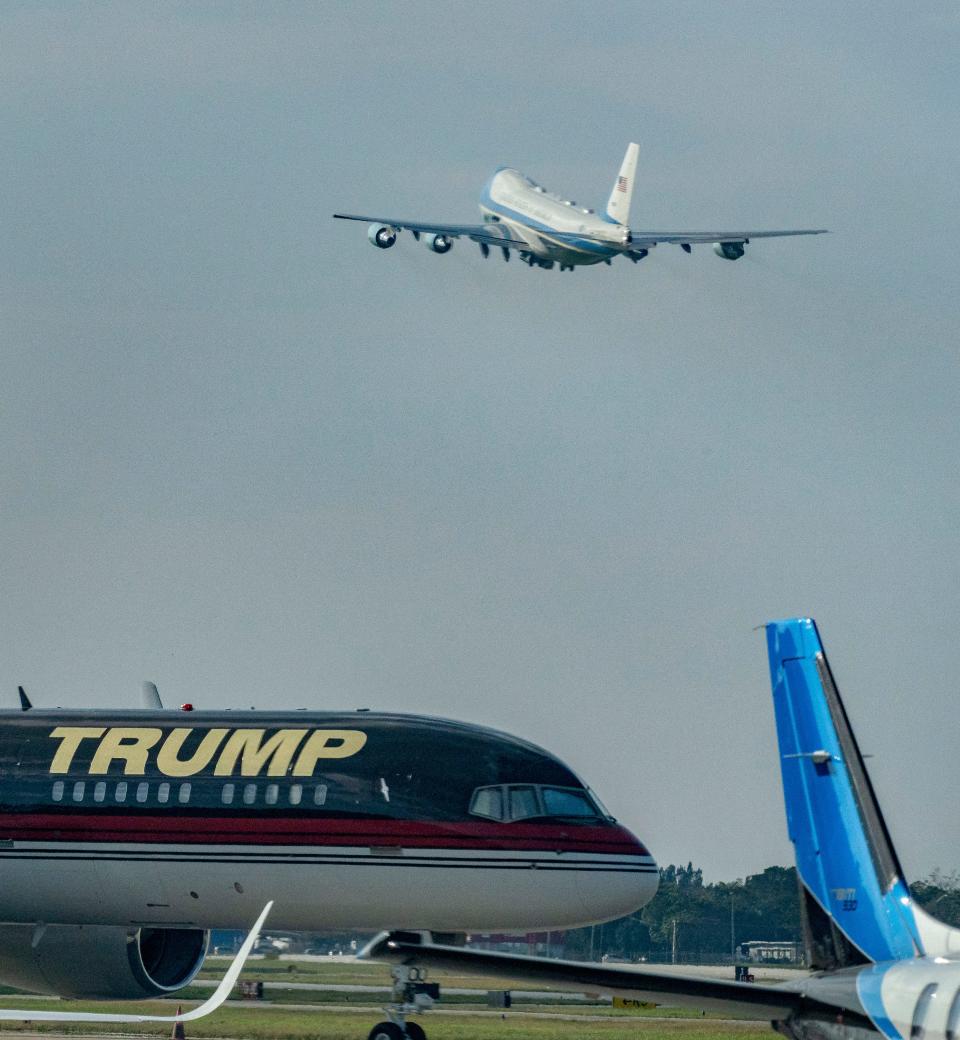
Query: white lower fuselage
[
  {"x": 358, "y": 886},
  {"x": 533, "y": 215}
]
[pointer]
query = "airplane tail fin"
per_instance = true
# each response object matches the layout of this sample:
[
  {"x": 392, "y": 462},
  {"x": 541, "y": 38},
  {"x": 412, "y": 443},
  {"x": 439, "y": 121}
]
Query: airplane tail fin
[
  {"x": 618, "y": 208},
  {"x": 856, "y": 904}
]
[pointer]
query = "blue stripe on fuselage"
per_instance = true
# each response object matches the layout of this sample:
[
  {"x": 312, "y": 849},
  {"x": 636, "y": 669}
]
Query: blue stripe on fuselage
[
  {"x": 582, "y": 245},
  {"x": 869, "y": 990}
]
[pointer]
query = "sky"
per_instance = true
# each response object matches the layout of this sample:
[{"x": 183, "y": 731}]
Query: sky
[{"x": 251, "y": 458}]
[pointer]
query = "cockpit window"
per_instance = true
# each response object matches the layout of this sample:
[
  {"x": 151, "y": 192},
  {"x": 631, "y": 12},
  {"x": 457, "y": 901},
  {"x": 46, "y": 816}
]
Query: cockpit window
[
  {"x": 559, "y": 801},
  {"x": 512, "y": 802},
  {"x": 488, "y": 801},
  {"x": 523, "y": 802}
]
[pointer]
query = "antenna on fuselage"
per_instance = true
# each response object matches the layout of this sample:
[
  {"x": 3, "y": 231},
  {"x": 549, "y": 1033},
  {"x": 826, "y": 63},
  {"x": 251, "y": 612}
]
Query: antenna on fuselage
[
  {"x": 25, "y": 704},
  {"x": 151, "y": 697}
]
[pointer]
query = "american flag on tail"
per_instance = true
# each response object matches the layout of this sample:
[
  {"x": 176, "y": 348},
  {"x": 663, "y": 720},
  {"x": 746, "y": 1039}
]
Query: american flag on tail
[{"x": 622, "y": 184}]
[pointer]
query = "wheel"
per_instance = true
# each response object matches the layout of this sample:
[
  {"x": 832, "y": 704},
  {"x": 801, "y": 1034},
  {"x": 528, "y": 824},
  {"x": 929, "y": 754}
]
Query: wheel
[
  {"x": 415, "y": 1032},
  {"x": 386, "y": 1031}
]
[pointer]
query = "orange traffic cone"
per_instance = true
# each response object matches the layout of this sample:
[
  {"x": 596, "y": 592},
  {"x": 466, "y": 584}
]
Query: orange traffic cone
[{"x": 178, "y": 1032}]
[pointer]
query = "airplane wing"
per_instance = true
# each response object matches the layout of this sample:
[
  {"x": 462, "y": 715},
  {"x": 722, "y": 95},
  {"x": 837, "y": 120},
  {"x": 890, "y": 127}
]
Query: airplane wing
[
  {"x": 645, "y": 239},
  {"x": 214, "y": 1001},
  {"x": 646, "y": 984},
  {"x": 489, "y": 234}
]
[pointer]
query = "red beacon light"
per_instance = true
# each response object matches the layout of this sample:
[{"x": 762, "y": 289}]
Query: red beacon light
[{"x": 186, "y": 707}]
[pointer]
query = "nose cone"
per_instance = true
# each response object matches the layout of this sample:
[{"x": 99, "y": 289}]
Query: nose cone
[{"x": 622, "y": 876}]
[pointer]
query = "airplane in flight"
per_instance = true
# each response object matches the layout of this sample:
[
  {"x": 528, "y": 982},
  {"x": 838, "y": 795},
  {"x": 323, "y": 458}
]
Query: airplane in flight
[
  {"x": 880, "y": 964},
  {"x": 545, "y": 229},
  {"x": 128, "y": 835}
]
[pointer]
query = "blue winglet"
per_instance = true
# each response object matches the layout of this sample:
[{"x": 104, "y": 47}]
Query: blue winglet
[{"x": 845, "y": 858}]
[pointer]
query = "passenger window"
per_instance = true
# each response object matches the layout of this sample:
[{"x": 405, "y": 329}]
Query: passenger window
[
  {"x": 121, "y": 792},
  {"x": 184, "y": 795},
  {"x": 320, "y": 794},
  {"x": 558, "y": 801},
  {"x": 523, "y": 802},
  {"x": 488, "y": 801},
  {"x": 163, "y": 793},
  {"x": 296, "y": 793},
  {"x": 953, "y": 1018},
  {"x": 270, "y": 797},
  {"x": 226, "y": 796},
  {"x": 58, "y": 791},
  {"x": 78, "y": 791},
  {"x": 249, "y": 794},
  {"x": 143, "y": 790},
  {"x": 99, "y": 791},
  {"x": 922, "y": 1010}
]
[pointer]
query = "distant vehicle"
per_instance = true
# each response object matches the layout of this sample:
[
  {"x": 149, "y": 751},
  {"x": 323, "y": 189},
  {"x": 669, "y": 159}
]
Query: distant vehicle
[
  {"x": 881, "y": 964},
  {"x": 547, "y": 230}
]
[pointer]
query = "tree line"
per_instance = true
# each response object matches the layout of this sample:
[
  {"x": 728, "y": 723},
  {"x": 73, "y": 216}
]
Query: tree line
[{"x": 693, "y": 922}]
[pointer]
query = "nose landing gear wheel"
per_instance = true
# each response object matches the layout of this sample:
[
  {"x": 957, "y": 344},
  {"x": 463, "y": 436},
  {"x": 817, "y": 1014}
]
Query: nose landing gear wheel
[
  {"x": 386, "y": 1031},
  {"x": 393, "y": 1031}
]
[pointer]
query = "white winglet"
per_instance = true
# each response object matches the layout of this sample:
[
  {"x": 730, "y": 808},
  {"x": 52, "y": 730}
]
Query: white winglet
[{"x": 220, "y": 994}]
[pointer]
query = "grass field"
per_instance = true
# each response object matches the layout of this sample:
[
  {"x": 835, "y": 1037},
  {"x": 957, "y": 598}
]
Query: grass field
[{"x": 266, "y": 1023}]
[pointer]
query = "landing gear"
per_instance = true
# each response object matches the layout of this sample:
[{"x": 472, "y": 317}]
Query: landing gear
[
  {"x": 412, "y": 994},
  {"x": 386, "y": 1031}
]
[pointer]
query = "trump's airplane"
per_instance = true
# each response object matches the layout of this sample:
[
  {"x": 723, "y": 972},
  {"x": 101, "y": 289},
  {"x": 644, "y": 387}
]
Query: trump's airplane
[
  {"x": 546, "y": 230},
  {"x": 126, "y": 836}
]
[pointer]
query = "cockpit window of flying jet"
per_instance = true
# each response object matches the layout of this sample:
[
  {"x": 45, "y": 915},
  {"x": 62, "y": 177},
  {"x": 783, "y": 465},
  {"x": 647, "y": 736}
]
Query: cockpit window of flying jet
[
  {"x": 881, "y": 966},
  {"x": 131, "y": 834},
  {"x": 546, "y": 230}
]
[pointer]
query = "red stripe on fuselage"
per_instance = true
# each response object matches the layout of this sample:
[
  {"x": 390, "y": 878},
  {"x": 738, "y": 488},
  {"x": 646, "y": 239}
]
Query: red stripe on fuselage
[{"x": 266, "y": 829}]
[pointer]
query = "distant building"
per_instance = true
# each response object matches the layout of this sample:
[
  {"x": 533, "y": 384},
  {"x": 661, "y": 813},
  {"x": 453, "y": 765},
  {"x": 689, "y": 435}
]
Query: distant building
[{"x": 761, "y": 951}]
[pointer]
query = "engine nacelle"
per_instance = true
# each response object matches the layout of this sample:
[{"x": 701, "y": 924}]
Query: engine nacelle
[
  {"x": 100, "y": 961},
  {"x": 438, "y": 243},
  {"x": 729, "y": 250},
  {"x": 381, "y": 235}
]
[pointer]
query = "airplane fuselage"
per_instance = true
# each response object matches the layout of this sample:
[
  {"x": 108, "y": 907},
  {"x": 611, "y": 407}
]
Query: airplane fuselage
[
  {"x": 345, "y": 819},
  {"x": 533, "y": 214}
]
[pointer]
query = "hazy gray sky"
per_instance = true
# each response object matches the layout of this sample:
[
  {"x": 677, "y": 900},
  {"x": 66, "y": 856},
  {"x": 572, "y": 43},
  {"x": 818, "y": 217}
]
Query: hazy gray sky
[{"x": 252, "y": 458}]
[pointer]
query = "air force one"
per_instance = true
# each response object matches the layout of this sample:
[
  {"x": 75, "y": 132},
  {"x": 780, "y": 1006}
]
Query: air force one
[
  {"x": 126, "y": 836},
  {"x": 546, "y": 230},
  {"x": 881, "y": 964}
]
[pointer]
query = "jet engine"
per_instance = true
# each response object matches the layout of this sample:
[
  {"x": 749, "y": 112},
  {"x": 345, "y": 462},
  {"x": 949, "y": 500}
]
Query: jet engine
[
  {"x": 100, "y": 961},
  {"x": 729, "y": 250},
  {"x": 382, "y": 236},
  {"x": 438, "y": 243}
]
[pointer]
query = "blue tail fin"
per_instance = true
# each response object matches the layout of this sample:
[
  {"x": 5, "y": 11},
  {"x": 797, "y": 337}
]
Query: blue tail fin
[{"x": 857, "y": 906}]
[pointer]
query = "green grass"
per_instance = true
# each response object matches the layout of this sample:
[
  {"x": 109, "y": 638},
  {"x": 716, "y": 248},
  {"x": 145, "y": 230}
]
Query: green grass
[{"x": 264, "y": 1023}]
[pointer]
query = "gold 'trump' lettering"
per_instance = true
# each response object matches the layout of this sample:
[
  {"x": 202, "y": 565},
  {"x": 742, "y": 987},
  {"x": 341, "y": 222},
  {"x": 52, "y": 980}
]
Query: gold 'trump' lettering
[{"x": 243, "y": 752}]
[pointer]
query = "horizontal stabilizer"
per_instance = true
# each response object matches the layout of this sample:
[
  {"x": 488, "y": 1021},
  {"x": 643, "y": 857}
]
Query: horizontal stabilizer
[{"x": 219, "y": 995}]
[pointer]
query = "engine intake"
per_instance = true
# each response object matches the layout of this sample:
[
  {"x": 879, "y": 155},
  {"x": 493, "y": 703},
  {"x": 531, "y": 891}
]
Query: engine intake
[
  {"x": 438, "y": 243},
  {"x": 729, "y": 250},
  {"x": 381, "y": 235},
  {"x": 100, "y": 961}
]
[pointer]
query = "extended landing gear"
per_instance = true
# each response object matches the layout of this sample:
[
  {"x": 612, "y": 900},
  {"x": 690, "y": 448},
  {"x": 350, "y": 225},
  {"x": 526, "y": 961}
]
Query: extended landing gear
[{"x": 412, "y": 994}]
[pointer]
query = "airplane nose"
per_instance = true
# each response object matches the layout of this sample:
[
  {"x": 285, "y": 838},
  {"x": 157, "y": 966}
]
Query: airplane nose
[{"x": 621, "y": 878}]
